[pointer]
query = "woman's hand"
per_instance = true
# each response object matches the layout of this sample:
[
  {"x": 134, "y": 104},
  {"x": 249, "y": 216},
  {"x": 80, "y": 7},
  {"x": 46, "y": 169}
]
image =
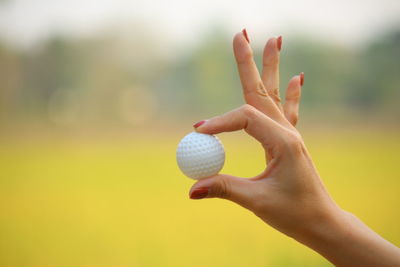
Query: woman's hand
[{"x": 289, "y": 194}]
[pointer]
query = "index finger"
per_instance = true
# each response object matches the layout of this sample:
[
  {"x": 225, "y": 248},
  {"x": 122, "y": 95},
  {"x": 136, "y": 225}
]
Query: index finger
[
  {"x": 267, "y": 131},
  {"x": 254, "y": 91}
]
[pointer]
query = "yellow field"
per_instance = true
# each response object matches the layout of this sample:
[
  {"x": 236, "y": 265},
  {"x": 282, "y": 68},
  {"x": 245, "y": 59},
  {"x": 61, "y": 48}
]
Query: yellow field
[{"x": 123, "y": 202}]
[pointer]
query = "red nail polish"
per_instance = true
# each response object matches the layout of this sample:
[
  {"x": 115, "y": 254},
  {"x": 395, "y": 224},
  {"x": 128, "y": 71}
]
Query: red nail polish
[
  {"x": 279, "y": 42},
  {"x": 196, "y": 125},
  {"x": 302, "y": 78},
  {"x": 199, "y": 193},
  {"x": 245, "y": 35}
]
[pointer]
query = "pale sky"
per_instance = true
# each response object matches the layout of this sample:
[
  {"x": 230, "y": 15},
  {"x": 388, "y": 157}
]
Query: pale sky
[{"x": 26, "y": 21}]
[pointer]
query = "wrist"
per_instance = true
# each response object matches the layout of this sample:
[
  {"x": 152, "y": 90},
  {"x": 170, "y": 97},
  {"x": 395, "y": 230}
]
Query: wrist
[
  {"x": 327, "y": 231},
  {"x": 323, "y": 226},
  {"x": 344, "y": 240}
]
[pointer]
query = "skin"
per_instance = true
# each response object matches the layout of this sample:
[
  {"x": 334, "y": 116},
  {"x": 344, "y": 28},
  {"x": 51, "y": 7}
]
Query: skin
[{"x": 289, "y": 194}]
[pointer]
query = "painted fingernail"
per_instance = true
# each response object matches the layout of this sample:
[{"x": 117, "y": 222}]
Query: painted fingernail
[
  {"x": 199, "y": 193},
  {"x": 245, "y": 35},
  {"x": 279, "y": 42},
  {"x": 197, "y": 125},
  {"x": 301, "y": 78}
]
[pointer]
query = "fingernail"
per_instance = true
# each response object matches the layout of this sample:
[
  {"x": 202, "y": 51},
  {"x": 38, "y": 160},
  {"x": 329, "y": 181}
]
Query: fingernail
[
  {"x": 279, "y": 42},
  {"x": 197, "y": 125},
  {"x": 199, "y": 193},
  {"x": 301, "y": 78},
  {"x": 245, "y": 35}
]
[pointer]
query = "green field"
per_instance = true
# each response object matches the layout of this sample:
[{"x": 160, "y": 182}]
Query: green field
[{"x": 121, "y": 201}]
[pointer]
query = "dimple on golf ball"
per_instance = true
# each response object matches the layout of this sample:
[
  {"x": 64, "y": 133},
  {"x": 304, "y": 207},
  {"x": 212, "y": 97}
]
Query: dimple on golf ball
[{"x": 200, "y": 155}]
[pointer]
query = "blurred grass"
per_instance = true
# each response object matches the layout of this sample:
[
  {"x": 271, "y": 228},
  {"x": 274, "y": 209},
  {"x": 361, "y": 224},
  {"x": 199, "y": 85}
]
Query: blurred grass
[{"x": 123, "y": 202}]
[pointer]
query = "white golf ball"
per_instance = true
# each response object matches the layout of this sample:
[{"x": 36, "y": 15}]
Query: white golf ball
[{"x": 200, "y": 155}]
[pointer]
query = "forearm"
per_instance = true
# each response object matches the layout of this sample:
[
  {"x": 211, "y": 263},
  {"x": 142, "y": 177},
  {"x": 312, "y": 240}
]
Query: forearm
[{"x": 345, "y": 241}]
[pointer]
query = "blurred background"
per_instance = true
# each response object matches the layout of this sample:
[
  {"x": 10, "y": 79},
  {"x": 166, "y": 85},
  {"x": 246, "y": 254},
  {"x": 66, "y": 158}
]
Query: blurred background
[{"x": 95, "y": 96}]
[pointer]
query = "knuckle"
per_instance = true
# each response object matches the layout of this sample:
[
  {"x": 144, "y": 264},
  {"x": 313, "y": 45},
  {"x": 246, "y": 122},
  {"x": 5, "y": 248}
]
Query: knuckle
[
  {"x": 294, "y": 143},
  {"x": 223, "y": 187},
  {"x": 271, "y": 63},
  {"x": 260, "y": 89},
  {"x": 249, "y": 111},
  {"x": 292, "y": 95},
  {"x": 296, "y": 96},
  {"x": 275, "y": 95},
  {"x": 275, "y": 91},
  {"x": 293, "y": 92},
  {"x": 248, "y": 55},
  {"x": 215, "y": 119}
]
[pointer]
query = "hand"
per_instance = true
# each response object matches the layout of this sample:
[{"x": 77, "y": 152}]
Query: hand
[{"x": 289, "y": 194}]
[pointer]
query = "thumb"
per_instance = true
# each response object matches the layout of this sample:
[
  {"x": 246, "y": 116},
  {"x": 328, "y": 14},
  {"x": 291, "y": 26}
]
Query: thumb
[{"x": 239, "y": 190}]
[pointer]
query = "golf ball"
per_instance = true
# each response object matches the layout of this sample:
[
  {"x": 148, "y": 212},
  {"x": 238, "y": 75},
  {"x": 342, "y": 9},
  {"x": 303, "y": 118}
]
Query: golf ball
[{"x": 200, "y": 155}]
